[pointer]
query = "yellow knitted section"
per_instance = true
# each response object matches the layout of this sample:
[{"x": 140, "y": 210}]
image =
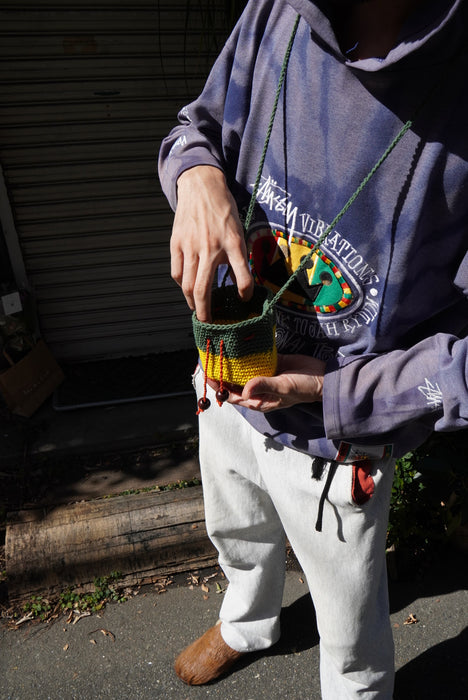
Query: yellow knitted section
[{"x": 240, "y": 370}]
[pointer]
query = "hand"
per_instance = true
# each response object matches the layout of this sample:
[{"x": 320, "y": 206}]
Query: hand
[
  {"x": 299, "y": 379},
  {"x": 207, "y": 232}
]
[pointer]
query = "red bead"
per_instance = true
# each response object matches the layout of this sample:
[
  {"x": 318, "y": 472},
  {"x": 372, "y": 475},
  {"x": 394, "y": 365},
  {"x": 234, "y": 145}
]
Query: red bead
[
  {"x": 203, "y": 403},
  {"x": 222, "y": 395}
]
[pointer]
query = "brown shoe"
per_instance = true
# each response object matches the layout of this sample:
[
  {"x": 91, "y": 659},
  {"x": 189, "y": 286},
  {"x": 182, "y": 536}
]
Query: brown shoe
[{"x": 206, "y": 659}]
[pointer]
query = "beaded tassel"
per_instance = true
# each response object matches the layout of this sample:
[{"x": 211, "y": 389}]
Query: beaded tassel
[
  {"x": 222, "y": 394},
  {"x": 204, "y": 402}
]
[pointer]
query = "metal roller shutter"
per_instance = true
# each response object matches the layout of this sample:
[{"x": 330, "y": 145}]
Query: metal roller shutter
[{"x": 88, "y": 89}]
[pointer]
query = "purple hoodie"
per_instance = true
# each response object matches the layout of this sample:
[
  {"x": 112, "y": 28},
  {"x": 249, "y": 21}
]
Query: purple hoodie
[{"x": 385, "y": 300}]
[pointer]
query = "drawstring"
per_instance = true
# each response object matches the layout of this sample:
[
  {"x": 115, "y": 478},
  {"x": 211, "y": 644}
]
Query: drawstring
[
  {"x": 326, "y": 489},
  {"x": 204, "y": 402},
  {"x": 222, "y": 394}
]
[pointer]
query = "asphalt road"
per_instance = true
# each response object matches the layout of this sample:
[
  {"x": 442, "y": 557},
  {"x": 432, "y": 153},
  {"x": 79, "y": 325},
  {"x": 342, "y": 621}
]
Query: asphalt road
[{"x": 128, "y": 651}]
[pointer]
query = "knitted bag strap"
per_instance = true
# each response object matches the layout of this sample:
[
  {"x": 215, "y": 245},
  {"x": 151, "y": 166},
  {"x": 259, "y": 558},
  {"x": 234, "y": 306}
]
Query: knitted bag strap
[
  {"x": 271, "y": 302},
  {"x": 282, "y": 77}
]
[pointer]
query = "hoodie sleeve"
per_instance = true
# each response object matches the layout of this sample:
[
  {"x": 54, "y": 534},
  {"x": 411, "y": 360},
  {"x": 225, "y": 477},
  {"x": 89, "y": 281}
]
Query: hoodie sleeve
[{"x": 375, "y": 394}]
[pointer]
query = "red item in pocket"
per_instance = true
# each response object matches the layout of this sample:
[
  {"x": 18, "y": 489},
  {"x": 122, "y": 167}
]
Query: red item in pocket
[{"x": 363, "y": 484}]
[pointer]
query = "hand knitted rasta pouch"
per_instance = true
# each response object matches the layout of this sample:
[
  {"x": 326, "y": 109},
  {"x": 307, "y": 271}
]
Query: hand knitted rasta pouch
[{"x": 239, "y": 343}]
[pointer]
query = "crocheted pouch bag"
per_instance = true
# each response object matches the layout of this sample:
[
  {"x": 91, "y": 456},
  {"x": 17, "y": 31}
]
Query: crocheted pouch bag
[{"x": 239, "y": 343}]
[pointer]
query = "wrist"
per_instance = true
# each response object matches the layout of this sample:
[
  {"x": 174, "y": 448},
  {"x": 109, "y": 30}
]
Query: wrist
[{"x": 200, "y": 173}]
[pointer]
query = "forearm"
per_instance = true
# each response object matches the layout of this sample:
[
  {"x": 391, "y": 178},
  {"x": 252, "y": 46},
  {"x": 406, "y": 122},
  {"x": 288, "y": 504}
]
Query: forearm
[{"x": 366, "y": 396}]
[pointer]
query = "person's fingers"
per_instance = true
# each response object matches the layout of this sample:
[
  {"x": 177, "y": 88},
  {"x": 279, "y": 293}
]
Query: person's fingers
[
  {"x": 242, "y": 276},
  {"x": 189, "y": 278},
  {"x": 259, "y": 386},
  {"x": 202, "y": 290},
  {"x": 177, "y": 263},
  {"x": 264, "y": 404},
  {"x": 236, "y": 251}
]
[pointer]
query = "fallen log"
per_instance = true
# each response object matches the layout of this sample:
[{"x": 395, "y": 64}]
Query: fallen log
[{"x": 143, "y": 536}]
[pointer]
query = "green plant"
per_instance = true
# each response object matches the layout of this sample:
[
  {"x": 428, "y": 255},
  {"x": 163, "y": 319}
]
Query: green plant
[
  {"x": 105, "y": 590},
  {"x": 430, "y": 493},
  {"x": 173, "y": 486},
  {"x": 37, "y": 607}
]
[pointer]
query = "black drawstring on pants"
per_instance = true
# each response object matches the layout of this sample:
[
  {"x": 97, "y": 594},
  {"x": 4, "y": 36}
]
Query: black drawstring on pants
[{"x": 316, "y": 467}]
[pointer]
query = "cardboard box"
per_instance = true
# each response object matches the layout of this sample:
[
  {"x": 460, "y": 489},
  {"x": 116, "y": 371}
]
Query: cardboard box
[{"x": 28, "y": 383}]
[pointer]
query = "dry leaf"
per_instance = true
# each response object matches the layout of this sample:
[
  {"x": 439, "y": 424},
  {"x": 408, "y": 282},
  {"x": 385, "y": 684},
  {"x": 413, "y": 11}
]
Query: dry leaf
[
  {"x": 301, "y": 580},
  {"x": 206, "y": 597},
  {"x": 411, "y": 619},
  {"x": 205, "y": 588},
  {"x": 207, "y": 578},
  {"x": 77, "y": 616},
  {"x": 106, "y": 633},
  {"x": 162, "y": 583},
  {"x": 66, "y": 647},
  {"x": 26, "y": 618},
  {"x": 92, "y": 641}
]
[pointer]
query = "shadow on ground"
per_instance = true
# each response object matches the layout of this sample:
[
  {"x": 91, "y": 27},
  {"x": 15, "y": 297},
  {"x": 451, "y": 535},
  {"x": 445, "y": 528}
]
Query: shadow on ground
[{"x": 440, "y": 672}]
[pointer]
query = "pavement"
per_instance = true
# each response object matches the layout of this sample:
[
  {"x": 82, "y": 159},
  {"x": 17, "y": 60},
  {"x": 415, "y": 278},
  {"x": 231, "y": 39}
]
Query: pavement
[
  {"x": 65, "y": 456},
  {"x": 119, "y": 427},
  {"x": 127, "y": 651}
]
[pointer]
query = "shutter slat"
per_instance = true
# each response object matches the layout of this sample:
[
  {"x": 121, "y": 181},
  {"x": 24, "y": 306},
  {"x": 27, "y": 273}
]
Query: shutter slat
[{"x": 89, "y": 89}]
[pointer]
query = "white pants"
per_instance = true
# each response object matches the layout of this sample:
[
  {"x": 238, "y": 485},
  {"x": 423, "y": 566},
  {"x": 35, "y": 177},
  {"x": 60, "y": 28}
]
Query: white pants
[{"x": 255, "y": 493}]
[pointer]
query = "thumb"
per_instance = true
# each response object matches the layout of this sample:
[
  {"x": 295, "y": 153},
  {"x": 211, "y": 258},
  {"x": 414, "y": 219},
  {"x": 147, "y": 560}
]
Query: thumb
[{"x": 259, "y": 385}]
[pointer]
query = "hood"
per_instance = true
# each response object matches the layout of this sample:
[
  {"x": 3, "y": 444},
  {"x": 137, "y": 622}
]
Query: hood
[{"x": 439, "y": 21}]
